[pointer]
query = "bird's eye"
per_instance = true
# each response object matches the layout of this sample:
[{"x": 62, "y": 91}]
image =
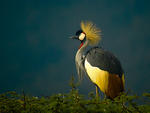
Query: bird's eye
[{"x": 82, "y": 36}]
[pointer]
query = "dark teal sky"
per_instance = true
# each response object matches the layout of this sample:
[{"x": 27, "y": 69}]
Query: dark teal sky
[{"x": 37, "y": 56}]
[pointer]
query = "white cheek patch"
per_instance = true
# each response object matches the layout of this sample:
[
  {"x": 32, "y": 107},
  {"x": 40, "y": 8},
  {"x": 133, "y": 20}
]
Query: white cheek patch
[{"x": 82, "y": 36}]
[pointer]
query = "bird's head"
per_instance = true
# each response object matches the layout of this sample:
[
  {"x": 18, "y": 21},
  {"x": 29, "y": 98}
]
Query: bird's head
[{"x": 88, "y": 32}]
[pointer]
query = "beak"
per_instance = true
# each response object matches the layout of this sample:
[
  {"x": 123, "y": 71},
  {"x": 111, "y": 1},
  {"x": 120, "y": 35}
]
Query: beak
[{"x": 74, "y": 37}]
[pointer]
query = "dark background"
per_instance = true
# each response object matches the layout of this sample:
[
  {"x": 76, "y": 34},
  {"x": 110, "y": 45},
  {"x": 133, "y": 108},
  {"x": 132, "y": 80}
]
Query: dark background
[{"x": 37, "y": 56}]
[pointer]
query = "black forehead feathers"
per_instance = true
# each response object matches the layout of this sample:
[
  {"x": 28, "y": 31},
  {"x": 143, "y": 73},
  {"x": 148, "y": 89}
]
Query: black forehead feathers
[{"x": 79, "y": 32}]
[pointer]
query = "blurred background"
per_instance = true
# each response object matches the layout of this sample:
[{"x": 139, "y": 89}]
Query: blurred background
[{"x": 37, "y": 56}]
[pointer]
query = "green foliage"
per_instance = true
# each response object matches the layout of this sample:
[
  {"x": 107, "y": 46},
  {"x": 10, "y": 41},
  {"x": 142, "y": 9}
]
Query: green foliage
[{"x": 73, "y": 102}]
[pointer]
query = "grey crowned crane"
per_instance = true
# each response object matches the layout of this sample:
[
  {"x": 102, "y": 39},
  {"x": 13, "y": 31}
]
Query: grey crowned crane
[{"x": 101, "y": 66}]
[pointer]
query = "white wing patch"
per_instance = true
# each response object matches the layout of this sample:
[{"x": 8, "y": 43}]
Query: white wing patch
[
  {"x": 91, "y": 71},
  {"x": 98, "y": 76}
]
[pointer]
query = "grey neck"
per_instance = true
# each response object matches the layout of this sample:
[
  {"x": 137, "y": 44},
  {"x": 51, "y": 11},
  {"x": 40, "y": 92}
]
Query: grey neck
[
  {"x": 82, "y": 49},
  {"x": 79, "y": 59},
  {"x": 80, "y": 54}
]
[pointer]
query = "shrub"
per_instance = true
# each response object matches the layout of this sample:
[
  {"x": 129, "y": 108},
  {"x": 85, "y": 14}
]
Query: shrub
[{"x": 73, "y": 102}]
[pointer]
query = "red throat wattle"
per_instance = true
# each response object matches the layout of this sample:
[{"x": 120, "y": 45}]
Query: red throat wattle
[{"x": 81, "y": 45}]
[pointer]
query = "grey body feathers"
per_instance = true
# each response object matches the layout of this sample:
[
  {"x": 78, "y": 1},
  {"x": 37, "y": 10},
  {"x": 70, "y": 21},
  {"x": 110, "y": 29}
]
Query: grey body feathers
[
  {"x": 104, "y": 60},
  {"x": 97, "y": 57}
]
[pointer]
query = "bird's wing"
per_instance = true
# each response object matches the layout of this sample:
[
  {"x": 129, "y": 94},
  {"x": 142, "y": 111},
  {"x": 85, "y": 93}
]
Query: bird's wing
[{"x": 104, "y": 60}]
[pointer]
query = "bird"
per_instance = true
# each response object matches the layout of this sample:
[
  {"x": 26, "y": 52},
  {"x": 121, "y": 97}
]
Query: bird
[{"x": 101, "y": 66}]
